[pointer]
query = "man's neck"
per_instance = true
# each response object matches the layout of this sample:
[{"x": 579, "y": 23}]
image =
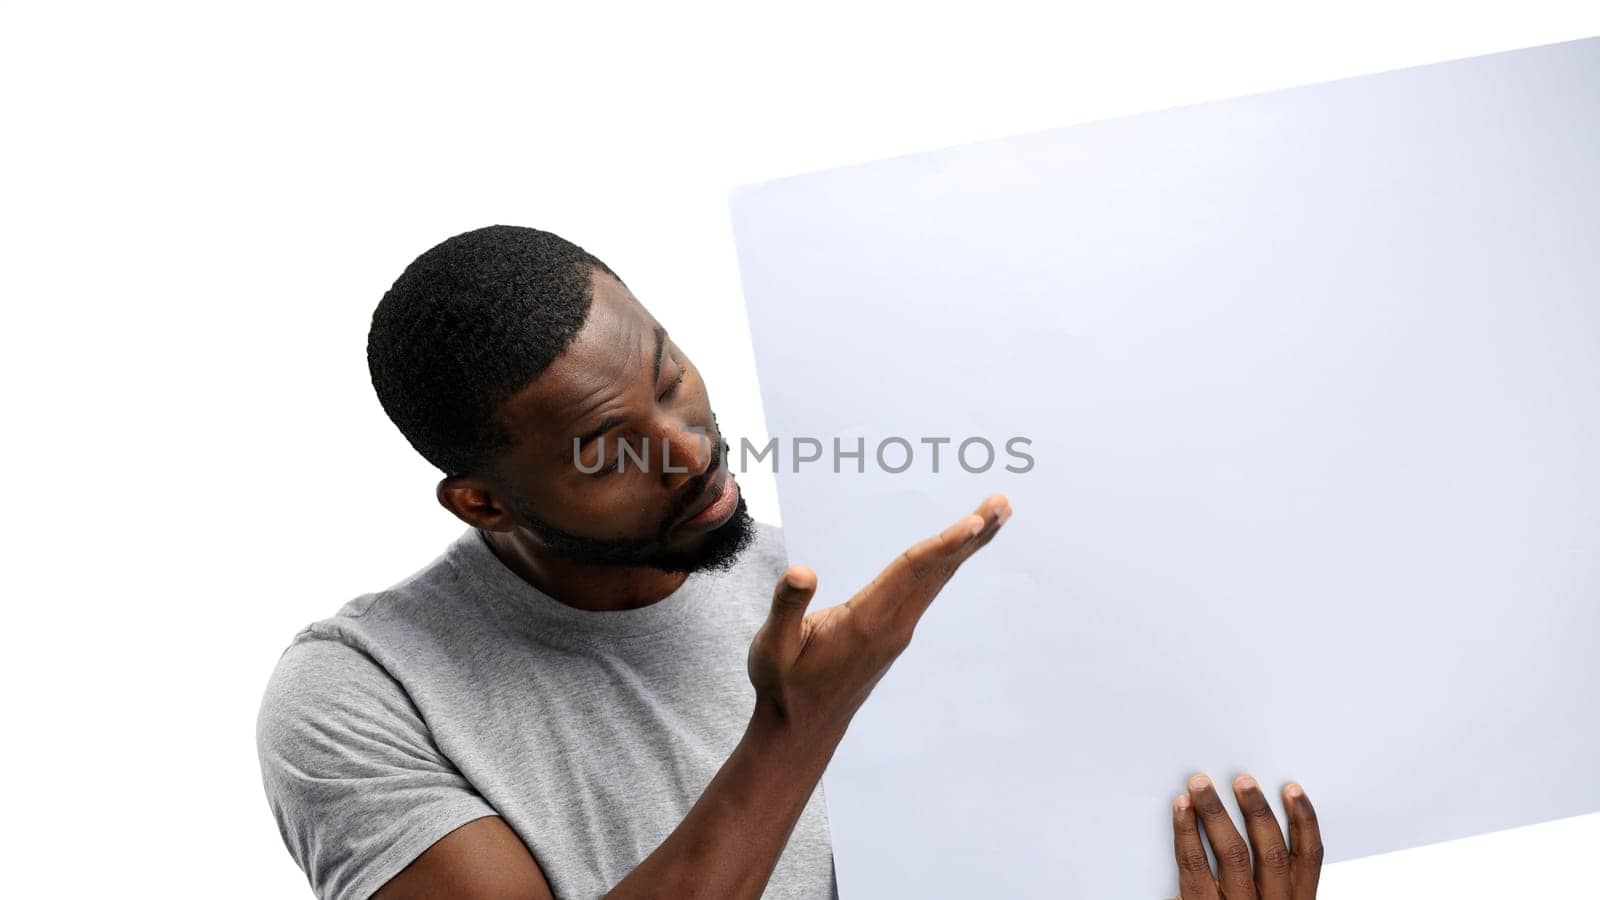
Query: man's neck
[{"x": 595, "y": 588}]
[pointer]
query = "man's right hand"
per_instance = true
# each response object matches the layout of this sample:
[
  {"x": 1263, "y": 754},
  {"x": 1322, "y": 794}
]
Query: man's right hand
[{"x": 812, "y": 672}]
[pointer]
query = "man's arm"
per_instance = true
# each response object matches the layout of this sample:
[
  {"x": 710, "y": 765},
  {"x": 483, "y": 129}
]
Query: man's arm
[
  {"x": 731, "y": 838},
  {"x": 811, "y": 674},
  {"x": 482, "y": 860}
]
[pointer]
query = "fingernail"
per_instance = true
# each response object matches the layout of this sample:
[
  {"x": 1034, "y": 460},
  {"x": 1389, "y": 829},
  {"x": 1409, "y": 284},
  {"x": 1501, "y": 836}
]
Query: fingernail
[
  {"x": 1183, "y": 802},
  {"x": 1199, "y": 783},
  {"x": 1246, "y": 783},
  {"x": 978, "y": 527},
  {"x": 1294, "y": 791}
]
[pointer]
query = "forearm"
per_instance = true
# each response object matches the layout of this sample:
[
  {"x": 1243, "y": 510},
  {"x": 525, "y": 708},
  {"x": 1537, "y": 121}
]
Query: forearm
[{"x": 729, "y": 843}]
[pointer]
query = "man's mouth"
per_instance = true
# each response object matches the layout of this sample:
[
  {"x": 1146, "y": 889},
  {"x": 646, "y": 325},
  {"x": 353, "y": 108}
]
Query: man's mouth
[
  {"x": 722, "y": 496},
  {"x": 715, "y": 500}
]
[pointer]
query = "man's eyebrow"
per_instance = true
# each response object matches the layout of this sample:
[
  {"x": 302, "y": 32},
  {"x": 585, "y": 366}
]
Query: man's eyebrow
[{"x": 661, "y": 341}]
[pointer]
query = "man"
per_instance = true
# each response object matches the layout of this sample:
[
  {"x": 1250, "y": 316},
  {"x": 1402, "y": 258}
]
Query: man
[{"x": 596, "y": 689}]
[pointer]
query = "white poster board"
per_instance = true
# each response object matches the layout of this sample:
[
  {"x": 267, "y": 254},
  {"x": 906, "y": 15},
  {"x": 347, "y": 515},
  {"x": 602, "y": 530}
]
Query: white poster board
[{"x": 1312, "y": 384}]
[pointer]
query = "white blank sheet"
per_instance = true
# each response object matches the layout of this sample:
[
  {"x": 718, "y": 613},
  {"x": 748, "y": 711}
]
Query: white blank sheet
[{"x": 1312, "y": 380}]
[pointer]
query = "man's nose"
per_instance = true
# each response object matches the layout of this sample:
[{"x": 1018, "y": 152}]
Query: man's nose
[{"x": 685, "y": 454}]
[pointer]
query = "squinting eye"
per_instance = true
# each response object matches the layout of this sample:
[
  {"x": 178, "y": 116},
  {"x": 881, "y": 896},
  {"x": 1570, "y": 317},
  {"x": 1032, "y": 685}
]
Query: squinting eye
[{"x": 672, "y": 388}]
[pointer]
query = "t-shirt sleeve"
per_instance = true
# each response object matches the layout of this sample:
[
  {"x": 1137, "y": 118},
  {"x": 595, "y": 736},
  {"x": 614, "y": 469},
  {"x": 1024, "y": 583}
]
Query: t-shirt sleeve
[{"x": 351, "y": 772}]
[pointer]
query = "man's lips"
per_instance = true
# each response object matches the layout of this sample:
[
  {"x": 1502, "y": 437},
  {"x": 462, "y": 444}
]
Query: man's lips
[{"x": 712, "y": 491}]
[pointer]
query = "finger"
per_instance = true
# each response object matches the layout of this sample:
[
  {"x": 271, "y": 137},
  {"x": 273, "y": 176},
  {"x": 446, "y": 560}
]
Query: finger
[
  {"x": 995, "y": 510},
  {"x": 943, "y": 551},
  {"x": 784, "y": 632},
  {"x": 1305, "y": 842},
  {"x": 1194, "y": 867},
  {"x": 1266, "y": 840},
  {"x": 952, "y": 546},
  {"x": 923, "y": 568},
  {"x": 1233, "y": 856}
]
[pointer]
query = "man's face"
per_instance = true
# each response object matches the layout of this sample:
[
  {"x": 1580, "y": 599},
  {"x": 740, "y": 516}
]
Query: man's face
[{"x": 608, "y": 468}]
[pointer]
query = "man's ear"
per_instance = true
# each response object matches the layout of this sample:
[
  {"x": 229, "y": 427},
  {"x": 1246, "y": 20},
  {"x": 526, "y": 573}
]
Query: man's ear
[{"x": 475, "y": 501}]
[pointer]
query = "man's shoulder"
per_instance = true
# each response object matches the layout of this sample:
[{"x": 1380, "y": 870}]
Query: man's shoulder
[
  {"x": 375, "y": 631},
  {"x": 351, "y": 769},
  {"x": 324, "y": 664}
]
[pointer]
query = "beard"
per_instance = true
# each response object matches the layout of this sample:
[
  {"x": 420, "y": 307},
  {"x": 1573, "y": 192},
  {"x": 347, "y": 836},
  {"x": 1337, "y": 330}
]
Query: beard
[{"x": 717, "y": 551}]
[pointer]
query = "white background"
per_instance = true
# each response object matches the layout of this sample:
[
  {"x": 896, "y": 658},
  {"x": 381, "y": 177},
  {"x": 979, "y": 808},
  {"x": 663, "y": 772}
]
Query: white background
[{"x": 202, "y": 205}]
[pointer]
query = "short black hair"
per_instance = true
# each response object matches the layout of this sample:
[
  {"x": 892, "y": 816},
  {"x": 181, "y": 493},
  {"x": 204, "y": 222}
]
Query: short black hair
[{"x": 469, "y": 323}]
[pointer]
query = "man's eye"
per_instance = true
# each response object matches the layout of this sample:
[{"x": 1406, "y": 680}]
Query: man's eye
[
  {"x": 598, "y": 466},
  {"x": 672, "y": 388}
]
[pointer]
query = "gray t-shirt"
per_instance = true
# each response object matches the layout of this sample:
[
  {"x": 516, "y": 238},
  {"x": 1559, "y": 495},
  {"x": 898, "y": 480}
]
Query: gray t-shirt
[{"x": 464, "y": 692}]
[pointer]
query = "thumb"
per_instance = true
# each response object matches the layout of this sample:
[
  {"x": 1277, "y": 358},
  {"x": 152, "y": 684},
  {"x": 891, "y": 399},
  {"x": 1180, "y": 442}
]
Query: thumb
[{"x": 789, "y": 599}]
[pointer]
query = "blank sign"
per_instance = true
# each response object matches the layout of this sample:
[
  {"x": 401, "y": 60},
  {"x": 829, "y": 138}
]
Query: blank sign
[{"x": 1309, "y": 388}]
